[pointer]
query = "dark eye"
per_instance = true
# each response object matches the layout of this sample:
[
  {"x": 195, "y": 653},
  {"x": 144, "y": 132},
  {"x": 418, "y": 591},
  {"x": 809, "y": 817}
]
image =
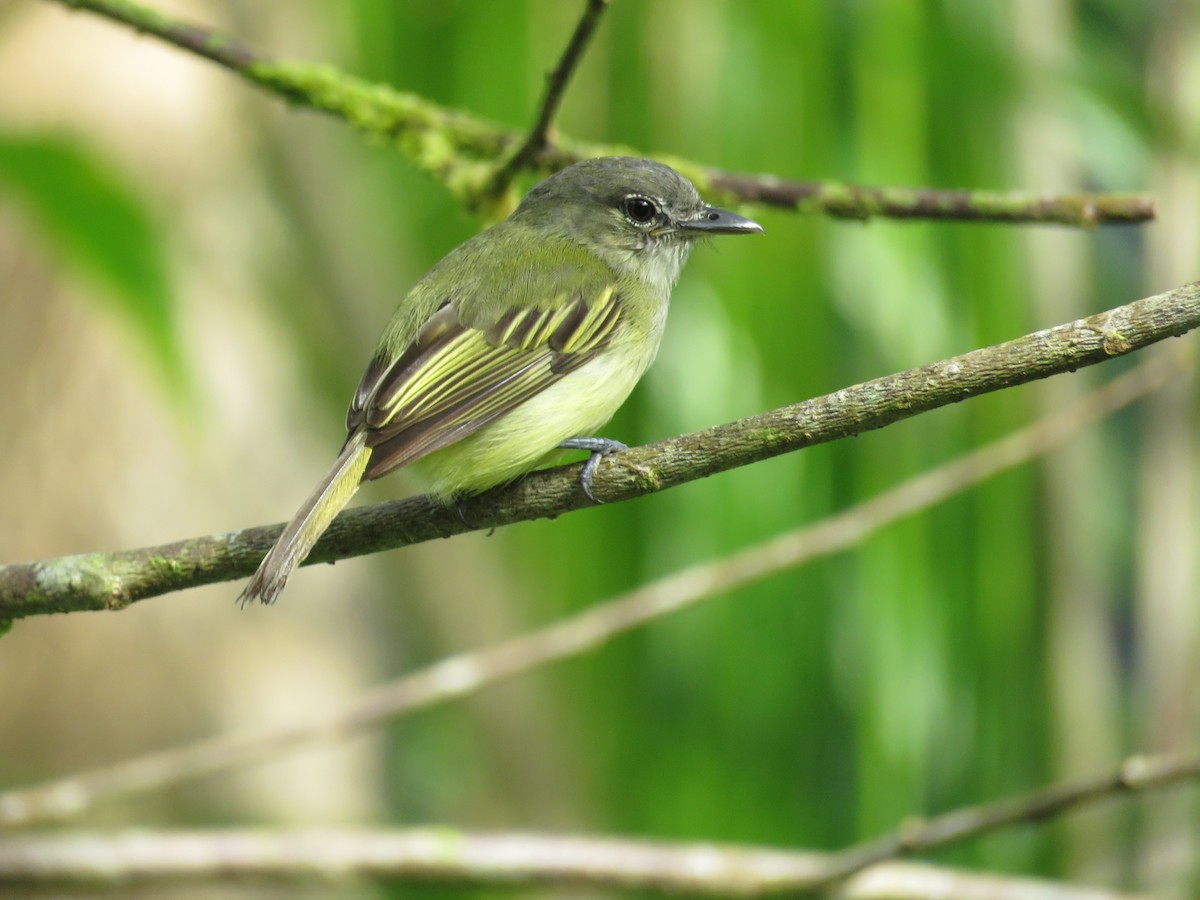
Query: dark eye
[{"x": 639, "y": 209}]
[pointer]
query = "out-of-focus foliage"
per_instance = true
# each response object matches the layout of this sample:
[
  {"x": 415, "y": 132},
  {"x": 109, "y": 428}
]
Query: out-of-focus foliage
[
  {"x": 91, "y": 218},
  {"x": 1040, "y": 627}
]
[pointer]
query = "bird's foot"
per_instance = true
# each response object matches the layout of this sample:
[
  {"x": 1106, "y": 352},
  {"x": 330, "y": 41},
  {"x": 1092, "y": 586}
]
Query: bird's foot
[{"x": 599, "y": 448}]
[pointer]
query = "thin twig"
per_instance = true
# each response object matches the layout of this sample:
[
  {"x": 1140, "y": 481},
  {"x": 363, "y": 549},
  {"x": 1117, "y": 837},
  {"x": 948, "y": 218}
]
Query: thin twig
[
  {"x": 556, "y": 85},
  {"x": 461, "y": 151},
  {"x": 1136, "y": 774},
  {"x": 114, "y": 580},
  {"x": 220, "y": 48},
  {"x": 468, "y": 672},
  {"x": 132, "y": 859},
  {"x": 849, "y": 201}
]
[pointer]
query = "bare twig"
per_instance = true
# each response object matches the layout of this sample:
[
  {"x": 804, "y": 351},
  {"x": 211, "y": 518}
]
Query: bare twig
[
  {"x": 114, "y": 580},
  {"x": 848, "y": 201},
  {"x": 131, "y": 859},
  {"x": 466, "y": 673},
  {"x": 461, "y": 151},
  {"x": 1136, "y": 774},
  {"x": 222, "y": 49},
  {"x": 556, "y": 85}
]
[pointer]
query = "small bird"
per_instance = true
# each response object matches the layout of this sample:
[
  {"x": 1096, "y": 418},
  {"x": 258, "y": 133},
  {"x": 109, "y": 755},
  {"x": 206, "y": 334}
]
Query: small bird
[{"x": 521, "y": 341}]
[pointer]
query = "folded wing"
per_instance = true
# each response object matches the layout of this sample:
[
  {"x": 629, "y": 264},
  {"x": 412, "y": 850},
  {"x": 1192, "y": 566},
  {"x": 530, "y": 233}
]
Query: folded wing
[{"x": 454, "y": 378}]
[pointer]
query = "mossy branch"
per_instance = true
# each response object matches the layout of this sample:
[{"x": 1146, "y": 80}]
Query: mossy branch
[
  {"x": 473, "y": 157},
  {"x": 114, "y": 580},
  {"x": 469, "y": 672}
]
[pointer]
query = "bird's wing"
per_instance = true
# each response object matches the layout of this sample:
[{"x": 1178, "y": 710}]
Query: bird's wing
[{"x": 453, "y": 378}]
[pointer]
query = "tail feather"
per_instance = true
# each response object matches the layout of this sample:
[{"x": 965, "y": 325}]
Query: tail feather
[{"x": 309, "y": 523}]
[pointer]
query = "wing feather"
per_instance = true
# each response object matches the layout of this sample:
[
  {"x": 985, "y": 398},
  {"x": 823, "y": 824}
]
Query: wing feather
[{"x": 454, "y": 378}]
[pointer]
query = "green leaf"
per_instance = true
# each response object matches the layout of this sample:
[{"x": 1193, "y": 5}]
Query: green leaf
[{"x": 97, "y": 221}]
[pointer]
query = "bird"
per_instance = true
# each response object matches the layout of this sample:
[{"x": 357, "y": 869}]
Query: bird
[{"x": 521, "y": 341}]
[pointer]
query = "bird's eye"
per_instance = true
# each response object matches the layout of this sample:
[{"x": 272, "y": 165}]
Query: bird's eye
[{"x": 639, "y": 209}]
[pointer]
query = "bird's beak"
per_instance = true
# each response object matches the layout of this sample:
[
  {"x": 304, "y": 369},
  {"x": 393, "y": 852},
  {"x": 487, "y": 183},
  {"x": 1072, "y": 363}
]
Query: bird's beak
[{"x": 719, "y": 221}]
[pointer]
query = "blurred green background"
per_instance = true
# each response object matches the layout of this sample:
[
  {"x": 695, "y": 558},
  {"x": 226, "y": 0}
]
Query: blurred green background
[{"x": 192, "y": 277}]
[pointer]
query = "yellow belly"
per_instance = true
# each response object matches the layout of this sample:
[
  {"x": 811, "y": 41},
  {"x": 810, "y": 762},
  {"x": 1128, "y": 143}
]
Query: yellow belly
[{"x": 575, "y": 406}]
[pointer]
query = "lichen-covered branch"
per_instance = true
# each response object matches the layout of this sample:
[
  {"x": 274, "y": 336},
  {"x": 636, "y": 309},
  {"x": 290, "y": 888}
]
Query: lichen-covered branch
[
  {"x": 448, "y": 855},
  {"x": 466, "y": 673},
  {"x": 114, "y": 580},
  {"x": 465, "y": 153}
]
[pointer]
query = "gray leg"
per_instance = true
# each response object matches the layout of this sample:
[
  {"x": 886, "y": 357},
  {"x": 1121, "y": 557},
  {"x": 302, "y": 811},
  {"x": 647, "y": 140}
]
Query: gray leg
[
  {"x": 599, "y": 448},
  {"x": 460, "y": 501}
]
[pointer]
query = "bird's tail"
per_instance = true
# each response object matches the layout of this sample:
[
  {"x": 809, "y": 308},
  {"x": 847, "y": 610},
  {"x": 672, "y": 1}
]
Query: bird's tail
[{"x": 309, "y": 523}]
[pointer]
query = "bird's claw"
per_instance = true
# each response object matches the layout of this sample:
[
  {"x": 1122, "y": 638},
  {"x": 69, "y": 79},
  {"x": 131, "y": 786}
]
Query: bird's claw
[{"x": 598, "y": 448}]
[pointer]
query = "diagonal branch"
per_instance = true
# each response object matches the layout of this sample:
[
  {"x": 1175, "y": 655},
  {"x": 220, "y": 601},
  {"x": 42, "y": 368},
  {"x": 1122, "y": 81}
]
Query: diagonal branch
[
  {"x": 466, "y": 673},
  {"x": 222, "y": 49},
  {"x": 143, "y": 859},
  {"x": 1136, "y": 774},
  {"x": 556, "y": 85},
  {"x": 98, "y": 581},
  {"x": 461, "y": 151}
]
